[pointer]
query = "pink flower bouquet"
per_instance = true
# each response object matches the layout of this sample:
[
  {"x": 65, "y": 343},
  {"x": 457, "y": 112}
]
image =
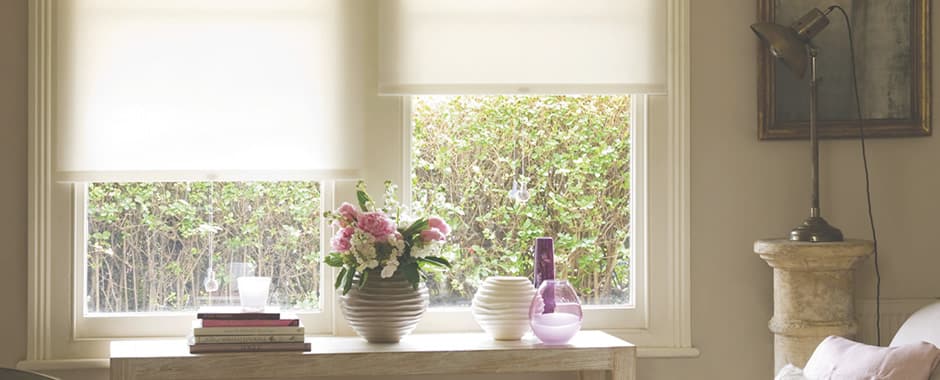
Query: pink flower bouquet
[{"x": 370, "y": 240}]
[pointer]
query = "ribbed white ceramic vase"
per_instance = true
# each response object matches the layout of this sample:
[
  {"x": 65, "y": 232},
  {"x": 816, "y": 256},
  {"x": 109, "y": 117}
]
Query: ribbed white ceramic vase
[
  {"x": 385, "y": 309},
  {"x": 501, "y": 307}
]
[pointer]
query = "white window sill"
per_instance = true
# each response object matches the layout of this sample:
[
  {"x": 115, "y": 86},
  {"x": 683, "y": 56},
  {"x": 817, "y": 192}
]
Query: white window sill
[
  {"x": 420, "y": 342},
  {"x": 667, "y": 352},
  {"x": 594, "y": 354},
  {"x": 63, "y": 364}
]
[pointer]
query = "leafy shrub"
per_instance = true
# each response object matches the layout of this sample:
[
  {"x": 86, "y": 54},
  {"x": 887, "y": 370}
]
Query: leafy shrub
[
  {"x": 148, "y": 246},
  {"x": 468, "y": 151}
]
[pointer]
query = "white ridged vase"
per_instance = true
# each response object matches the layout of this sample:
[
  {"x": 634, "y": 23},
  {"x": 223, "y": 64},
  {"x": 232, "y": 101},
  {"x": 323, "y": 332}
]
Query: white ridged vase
[
  {"x": 385, "y": 309},
  {"x": 501, "y": 307}
]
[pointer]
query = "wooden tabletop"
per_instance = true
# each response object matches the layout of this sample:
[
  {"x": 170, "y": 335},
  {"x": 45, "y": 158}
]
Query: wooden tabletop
[{"x": 594, "y": 353}]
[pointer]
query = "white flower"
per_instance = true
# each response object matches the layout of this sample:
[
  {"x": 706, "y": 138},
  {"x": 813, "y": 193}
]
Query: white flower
[
  {"x": 392, "y": 261},
  {"x": 432, "y": 248},
  {"x": 420, "y": 251},
  {"x": 363, "y": 239},
  {"x": 370, "y": 264},
  {"x": 363, "y": 249},
  {"x": 398, "y": 245},
  {"x": 397, "y": 248},
  {"x": 389, "y": 269}
]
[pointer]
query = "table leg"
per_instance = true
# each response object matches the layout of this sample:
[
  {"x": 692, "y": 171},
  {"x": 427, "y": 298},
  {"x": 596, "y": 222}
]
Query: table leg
[
  {"x": 624, "y": 366},
  {"x": 594, "y": 375}
]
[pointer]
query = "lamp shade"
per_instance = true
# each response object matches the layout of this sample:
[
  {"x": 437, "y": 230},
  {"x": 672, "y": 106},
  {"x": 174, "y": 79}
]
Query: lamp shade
[
  {"x": 789, "y": 44},
  {"x": 785, "y": 44}
]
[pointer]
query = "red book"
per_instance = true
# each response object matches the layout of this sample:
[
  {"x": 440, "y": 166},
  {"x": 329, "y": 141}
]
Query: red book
[
  {"x": 248, "y": 347},
  {"x": 249, "y": 322},
  {"x": 234, "y": 312}
]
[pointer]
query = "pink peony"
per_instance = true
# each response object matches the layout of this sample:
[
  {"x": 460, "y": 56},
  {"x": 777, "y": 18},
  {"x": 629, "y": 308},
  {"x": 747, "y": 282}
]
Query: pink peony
[
  {"x": 376, "y": 224},
  {"x": 432, "y": 234},
  {"x": 341, "y": 241},
  {"x": 348, "y": 212},
  {"x": 440, "y": 224}
]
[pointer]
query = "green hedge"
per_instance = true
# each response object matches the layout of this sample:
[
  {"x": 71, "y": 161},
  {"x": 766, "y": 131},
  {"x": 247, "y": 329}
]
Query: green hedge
[
  {"x": 148, "y": 246},
  {"x": 468, "y": 150}
]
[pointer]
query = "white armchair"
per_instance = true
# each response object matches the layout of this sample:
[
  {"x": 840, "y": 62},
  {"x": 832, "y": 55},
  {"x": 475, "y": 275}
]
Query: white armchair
[{"x": 923, "y": 325}]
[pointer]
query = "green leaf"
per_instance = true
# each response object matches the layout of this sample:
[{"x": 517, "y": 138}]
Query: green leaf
[
  {"x": 334, "y": 259},
  {"x": 418, "y": 226},
  {"x": 411, "y": 273},
  {"x": 364, "y": 200},
  {"x": 434, "y": 262},
  {"x": 363, "y": 197},
  {"x": 349, "y": 280},
  {"x": 340, "y": 278},
  {"x": 363, "y": 279}
]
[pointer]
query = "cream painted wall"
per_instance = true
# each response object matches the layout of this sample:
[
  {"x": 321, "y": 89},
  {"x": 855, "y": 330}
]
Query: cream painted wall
[
  {"x": 742, "y": 189},
  {"x": 13, "y": 184}
]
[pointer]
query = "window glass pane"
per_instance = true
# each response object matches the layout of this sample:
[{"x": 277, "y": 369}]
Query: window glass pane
[
  {"x": 474, "y": 158},
  {"x": 150, "y": 245}
]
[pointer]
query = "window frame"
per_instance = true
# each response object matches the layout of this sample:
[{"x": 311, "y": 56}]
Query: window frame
[
  {"x": 123, "y": 325},
  {"x": 596, "y": 317},
  {"x": 51, "y": 334}
]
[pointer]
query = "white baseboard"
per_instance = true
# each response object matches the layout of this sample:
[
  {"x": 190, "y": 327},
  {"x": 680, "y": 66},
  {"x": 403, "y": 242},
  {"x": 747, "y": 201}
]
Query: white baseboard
[{"x": 894, "y": 311}]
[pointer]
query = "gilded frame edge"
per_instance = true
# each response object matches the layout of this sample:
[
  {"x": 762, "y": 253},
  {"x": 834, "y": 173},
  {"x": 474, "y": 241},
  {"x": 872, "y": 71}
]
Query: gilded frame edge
[{"x": 918, "y": 125}]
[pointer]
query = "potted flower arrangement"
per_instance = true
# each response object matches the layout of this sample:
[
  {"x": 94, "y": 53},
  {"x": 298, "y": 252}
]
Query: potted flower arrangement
[{"x": 383, "y": 259}]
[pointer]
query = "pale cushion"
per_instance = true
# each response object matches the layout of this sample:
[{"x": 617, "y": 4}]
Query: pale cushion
[
  {"x": 923, "y": 325},
  {"x": 790, "y": 372},
  {"x": 837, "y": 358}
]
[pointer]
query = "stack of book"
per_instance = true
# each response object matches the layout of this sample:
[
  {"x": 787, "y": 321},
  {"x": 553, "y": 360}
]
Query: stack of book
[{"x": 222, "y": 329}]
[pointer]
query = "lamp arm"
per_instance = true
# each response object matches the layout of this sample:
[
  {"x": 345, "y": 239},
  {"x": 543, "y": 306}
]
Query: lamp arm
[
  {"x": 813, "y": 133},
  {"x": 814, "y": 228}
]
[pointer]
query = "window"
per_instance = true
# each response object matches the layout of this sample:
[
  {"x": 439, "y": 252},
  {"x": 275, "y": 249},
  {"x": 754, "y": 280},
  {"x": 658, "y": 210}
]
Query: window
[
  {"x": 145, "y": 252},
  {"x": 585, "y": 171},
  {"x": 175, "y": 246},
  {"x": 506, "y": 169},
  {"x": 247, "y": 97},
  {"x": 167, "y": 113}
]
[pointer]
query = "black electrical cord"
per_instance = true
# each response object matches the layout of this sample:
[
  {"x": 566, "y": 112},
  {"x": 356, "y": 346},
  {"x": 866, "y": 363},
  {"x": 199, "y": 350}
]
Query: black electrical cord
[{"x": 861, "y": 136}]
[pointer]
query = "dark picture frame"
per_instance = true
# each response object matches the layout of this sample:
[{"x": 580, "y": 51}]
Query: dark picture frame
[{"x": 892, "y": 42}]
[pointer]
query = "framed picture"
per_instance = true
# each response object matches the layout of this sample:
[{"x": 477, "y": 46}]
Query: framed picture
[{"x": 892, "y": 44}]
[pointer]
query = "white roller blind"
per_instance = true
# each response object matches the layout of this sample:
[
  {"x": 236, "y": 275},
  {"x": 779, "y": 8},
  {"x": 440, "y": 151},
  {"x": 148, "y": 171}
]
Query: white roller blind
[
  {"x": 199, "y": 89},
  {"x": 520, "y": 46}
]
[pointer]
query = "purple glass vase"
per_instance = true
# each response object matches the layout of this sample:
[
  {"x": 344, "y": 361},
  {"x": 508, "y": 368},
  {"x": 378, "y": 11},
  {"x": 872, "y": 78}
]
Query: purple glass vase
[
  {"x": 545, "y": 266},
  {"x": 560, "y": 322},
  {"x": 544, "y": 260}
]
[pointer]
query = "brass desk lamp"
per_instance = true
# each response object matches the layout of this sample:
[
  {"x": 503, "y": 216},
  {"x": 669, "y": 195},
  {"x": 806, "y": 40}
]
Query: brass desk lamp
[{"x": 793, "y": 46}]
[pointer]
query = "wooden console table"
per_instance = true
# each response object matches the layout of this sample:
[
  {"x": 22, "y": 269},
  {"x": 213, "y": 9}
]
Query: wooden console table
[{"x": 594, "y": 354}]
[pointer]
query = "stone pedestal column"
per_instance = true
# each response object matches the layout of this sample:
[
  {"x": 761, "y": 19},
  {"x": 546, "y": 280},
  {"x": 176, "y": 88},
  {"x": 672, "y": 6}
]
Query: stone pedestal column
[{"x": 813, "y": 294}]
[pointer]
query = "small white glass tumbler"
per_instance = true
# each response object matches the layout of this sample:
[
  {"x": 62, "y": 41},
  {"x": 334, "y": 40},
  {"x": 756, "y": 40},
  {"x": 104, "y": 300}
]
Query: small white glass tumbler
[{"x": 253, "y": 292}]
